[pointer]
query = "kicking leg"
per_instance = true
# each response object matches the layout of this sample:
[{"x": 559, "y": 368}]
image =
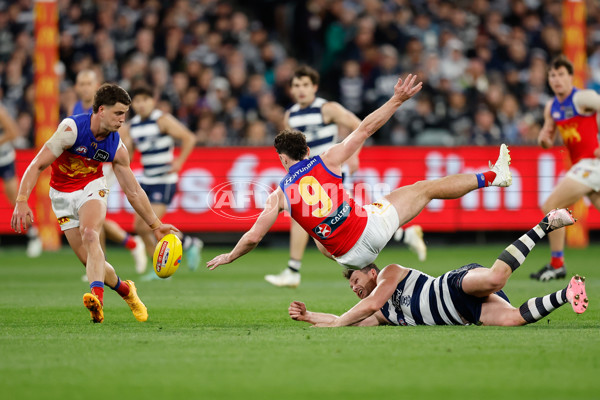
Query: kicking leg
[
  {"x": 482, "y": 282},
  {"x": 409, "y": 201}
]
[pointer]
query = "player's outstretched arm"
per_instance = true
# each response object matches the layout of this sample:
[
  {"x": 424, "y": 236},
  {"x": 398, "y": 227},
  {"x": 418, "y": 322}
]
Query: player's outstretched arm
[
  {"x": 252, "y": 238},
  {"x": 298, "y": 312},
  {"x": 403, "y": 91},
  {"x": 136, "y": 195}
]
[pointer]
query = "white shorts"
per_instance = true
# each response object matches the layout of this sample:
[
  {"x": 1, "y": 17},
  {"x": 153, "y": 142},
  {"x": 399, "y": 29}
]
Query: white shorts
[
  {"x": 66, "y": 205},
  {"x": 586, "y": 171},
  {"x": 382, "y": 223},
  {"x": 109, "y": 174}
]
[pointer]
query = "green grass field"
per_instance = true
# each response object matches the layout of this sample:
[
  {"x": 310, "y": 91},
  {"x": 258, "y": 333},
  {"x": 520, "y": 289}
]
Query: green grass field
[{"x": 225, "y": 334}]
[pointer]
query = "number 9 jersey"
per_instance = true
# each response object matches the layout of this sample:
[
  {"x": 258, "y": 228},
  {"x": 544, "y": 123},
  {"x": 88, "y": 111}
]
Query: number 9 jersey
[{"x": 318, "y": 202}]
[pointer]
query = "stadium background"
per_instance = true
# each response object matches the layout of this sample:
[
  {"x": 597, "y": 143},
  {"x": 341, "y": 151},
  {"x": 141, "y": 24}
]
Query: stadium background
[{"x": 222, "y": 68}]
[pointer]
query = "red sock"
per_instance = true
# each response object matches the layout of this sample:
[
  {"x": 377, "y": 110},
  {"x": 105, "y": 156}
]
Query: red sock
[
  {"x": 122, "y": 288},
  {"x": 99, "y": 293},
  {"x": 557, "y": 262},
  {"x": 129, "y": 242},
  {"x": 489, "y": 177}
]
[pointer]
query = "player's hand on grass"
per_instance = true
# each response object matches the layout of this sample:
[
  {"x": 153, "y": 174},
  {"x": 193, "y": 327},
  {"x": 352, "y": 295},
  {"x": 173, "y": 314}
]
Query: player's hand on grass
[
  {"x": 297, "y": 311},
  {"x": 218, "y": 260},
  {"x": 163, "y": 230},
  {"x": 22, "y": 217}
]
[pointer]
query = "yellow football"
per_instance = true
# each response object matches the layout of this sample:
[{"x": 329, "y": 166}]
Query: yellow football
[{"x": 167, "y": 256}]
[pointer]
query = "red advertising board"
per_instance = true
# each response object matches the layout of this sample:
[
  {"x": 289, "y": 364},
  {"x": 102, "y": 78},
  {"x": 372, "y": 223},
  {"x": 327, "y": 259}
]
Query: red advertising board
[{"x": 224, "y": 189}]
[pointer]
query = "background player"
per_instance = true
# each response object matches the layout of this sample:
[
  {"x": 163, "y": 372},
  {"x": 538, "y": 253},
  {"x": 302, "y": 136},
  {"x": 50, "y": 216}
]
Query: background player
[
  {"x": 8, "y": 133},
  {"x": 573, "y": 113},
  {"x": 86, "y": 85},
  {"x": 468, "y": 295},
  {"x": 153, "y": 133},
  {"x": 313, "y": 193},
  {"x": 79, "y": 192},
  {"x": 320, "y": 120}
]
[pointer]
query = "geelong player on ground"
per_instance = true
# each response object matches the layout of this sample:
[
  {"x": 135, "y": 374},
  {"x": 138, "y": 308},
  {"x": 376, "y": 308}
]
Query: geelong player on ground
[{"x": 468, "y": 295}]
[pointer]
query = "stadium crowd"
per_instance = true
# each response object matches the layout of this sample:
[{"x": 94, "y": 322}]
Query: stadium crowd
[{"x": 223, "y": 67}]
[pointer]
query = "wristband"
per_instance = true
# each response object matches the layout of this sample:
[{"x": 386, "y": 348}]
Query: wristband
[
  {"x": 21, "y": 197},
  {"x": 156, "y": 224}
]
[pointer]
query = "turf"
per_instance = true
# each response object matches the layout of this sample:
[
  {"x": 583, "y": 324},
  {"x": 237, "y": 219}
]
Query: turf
[{"x": 225, "y": 334}]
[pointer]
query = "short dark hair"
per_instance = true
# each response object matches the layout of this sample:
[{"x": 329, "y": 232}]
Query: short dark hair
[
  {"x": 110, "y": 94},
  {"x": 562, "y": 61},
  {"x": 292, "y": 143},
  {"x": 141, "y": 90},
  {"x": 348, "y": 272},
  {"x": 305, "y": 70}
]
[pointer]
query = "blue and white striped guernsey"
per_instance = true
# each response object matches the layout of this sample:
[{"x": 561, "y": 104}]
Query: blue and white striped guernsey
[
  {"x": 420, "y": 299},
  {"x": 156, "y": 149},
  {"x": 309, "y": 121},
  {"x": 7, "y": 152}
]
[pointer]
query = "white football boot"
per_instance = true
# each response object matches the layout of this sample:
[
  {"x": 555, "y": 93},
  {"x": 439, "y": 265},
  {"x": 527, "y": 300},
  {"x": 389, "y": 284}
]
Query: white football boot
[
  {"x": 287, "y": 278},
  {"x": 501, "y": 168}
]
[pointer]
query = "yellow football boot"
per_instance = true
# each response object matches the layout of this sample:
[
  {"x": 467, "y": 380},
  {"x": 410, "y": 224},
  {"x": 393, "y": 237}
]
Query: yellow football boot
[
  {"x": 91, "y": 302},
  {"x": 139, "y": 310}
]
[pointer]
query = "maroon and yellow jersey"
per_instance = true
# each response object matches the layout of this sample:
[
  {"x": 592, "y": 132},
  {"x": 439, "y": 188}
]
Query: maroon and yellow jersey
[
  {"x": 579, "y": 132},
  {"x": 82, "y": 163},
  {"x": 318, "y": 202}
]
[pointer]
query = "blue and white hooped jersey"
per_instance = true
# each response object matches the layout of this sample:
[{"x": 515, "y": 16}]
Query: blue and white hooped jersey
[
  {"x": 420, "y": 299},
  {"x": 309, "y": 121},
  {"x": 156, "y": 149}
]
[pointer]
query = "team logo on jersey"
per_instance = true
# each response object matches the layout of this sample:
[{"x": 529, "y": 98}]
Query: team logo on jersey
[
  {"x": 569, "y": 113},
  {"x": 556, "y": 115},
  {"x": 323, "y": 231},
  {"x": 330, "y": 224},
  {"x": 77, "y": 167},
  {"x": 102, "y": 193},
  {"x": 63, "y": 220},
  {"x": 569, "y": 133},
  {"x": 378, "y": 205},
  {"x": 94, "y": 145},
  {"x": 101, "y": 155},
  {"x": 81, "y": 150}
]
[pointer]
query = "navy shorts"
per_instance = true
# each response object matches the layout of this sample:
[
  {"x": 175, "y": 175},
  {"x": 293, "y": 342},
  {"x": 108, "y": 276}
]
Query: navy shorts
[
  {"x": 162, "y": 193},
  {"x": 468, "y": 306},
  {"x": 7, "y": 171}
]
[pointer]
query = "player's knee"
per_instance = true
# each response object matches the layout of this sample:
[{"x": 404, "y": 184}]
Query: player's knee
[
  {"x": 494, "y": 281},
  {"x": 89, "y": 235}
]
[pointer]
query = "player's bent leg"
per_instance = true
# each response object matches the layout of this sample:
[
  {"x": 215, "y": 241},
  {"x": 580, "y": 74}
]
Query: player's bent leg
[
  {"x": 496, "y": 311},
  {"x": 482, "y": 282},
  {"x": 410, "y": 200}
]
